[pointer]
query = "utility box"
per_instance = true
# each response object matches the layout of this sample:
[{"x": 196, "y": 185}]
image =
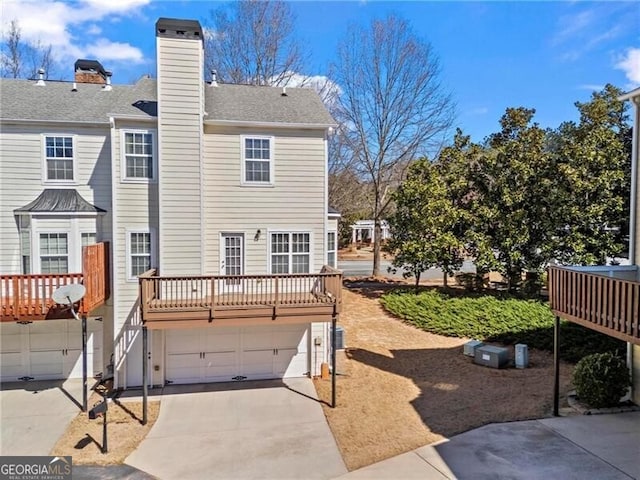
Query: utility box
[
  {"x": 522, "y": 355},
  {"x": 490, "y": 356},
  {"x": 469, "y": 348},
  {"x": 339, "y": 338}
]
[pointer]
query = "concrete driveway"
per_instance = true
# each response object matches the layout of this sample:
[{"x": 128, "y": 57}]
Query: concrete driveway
[
  {"x": 266, "y": 429},
  {"x": 35, "y": 414},
  {"x": 603, "y": 447}
]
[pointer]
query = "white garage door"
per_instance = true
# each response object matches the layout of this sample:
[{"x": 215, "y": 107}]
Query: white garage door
[
  {"x": 48, "y": 350},
  {"x": 222, "y": 354}
]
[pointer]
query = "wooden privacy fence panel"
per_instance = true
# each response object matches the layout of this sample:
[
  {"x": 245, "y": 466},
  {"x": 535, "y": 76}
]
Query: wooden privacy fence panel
[{"x": 607, "y": 304}]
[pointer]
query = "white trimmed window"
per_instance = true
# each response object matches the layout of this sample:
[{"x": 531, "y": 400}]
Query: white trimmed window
[
  {"x": 58, "y": 158},
  {"x": 257, "y": 163},
  {"x": 54, "y": 253},
  {"x": 139, "y": 253},
  {"x": 88, "y": 238},
  {"x": 331, "y": 249},
  {"x": 139, "y": 158},
  {"x": 290, "y": 252}
]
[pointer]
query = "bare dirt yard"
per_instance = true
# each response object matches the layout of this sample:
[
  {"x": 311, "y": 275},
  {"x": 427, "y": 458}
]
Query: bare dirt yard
[
  {"x": 399, "y": 388},
  {"x": 83, "y": 438}
]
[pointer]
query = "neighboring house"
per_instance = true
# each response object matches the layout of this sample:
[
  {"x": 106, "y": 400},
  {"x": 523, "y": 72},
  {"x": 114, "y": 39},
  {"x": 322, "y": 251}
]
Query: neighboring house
[
  {"x": 209, "y": 203},
  {"x": 363, "y": 231},
  {"x": 607, "y": 298}
]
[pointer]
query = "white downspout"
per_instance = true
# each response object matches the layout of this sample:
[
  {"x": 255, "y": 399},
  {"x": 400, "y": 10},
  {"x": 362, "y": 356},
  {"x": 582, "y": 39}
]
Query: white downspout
[{"x": 633, "y": 220}]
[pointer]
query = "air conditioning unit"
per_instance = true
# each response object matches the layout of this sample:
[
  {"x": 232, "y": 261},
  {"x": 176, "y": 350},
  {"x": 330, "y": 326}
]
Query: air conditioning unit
[
  {"x": 339, "y": 338},
  {"x": 490, "y": 356},
  {"x": 469, "y": 348}
]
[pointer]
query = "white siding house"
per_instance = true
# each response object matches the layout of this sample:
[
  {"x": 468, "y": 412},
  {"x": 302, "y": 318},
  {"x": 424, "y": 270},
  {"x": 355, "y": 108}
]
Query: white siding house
[{"x": 213, "y": 192}]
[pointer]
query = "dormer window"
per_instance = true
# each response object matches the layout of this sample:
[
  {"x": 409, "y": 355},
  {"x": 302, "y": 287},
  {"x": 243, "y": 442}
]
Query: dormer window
[{"x": 59, "y": 164}]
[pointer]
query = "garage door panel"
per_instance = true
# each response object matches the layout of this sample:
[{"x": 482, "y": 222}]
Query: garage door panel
[
  {"x": 11, "y": 337},
  {"x": 221, "y": 342},
  {"x": 257, "y": 363},
  {"x": 220, "y": 366},
  {"x": 183, "y": 368},
  {"x": 47, "y": 364},
  {"x": 47, "y": 341},
  {"x": 11, "y": 366}
]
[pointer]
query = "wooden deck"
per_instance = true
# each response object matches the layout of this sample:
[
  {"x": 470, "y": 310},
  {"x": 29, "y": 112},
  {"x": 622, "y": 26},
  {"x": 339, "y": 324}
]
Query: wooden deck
[
  {"x": 171, "y": 302},
  {"x": 606, "y": 299},
  {"x": 28, "y": 297}
]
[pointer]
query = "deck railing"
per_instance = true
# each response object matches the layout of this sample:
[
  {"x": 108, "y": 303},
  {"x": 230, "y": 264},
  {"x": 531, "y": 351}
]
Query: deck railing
[
  {"x": 163, "y": 294},
  {"x": 28, "y": 297},
  {"x": 599, "y": 299}
]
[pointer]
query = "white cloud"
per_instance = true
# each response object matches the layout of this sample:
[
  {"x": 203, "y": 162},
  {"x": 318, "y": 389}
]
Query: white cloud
[
  {"x": 105, "y": 50},
  {"x": 55, "y": 23},
  {"x": 629, "y": 63},
  {"x": 328, "y": 90},
  {"x": 591, "y": 86},
  {"x": 478, "y": 111}
]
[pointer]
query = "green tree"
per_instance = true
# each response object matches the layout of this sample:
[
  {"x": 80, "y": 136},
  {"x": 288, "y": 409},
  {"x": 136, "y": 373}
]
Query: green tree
[
  {"x": 514, "y": 195},
  {"x": 424, "y": 224},
  {"x": 593, "y": 158}
]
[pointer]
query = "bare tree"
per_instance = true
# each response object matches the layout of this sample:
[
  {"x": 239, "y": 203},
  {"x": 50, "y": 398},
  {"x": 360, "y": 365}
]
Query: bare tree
[
  {"x": 392, "y": 105},
  {"x": 22, "y": 60},
  {"x": 253, "y": 42}
]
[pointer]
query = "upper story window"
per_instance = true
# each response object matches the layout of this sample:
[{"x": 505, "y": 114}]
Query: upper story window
[
  {"x": 290, "y": 252},
  {"x": 58, "y": 158},
  {"x": 257, "y": 163},
  {"x": 54, "y": 253},
  {"x": 139, "y": 247},
  {"x": 331, "y": 249},
  {"x": 139, "y": 157}
]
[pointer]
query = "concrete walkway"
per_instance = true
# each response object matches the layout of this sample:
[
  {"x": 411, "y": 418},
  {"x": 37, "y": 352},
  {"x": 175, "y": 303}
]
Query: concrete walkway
[
  {"x": 35, "y": 414},
  {"x": 267, "y": 429},
  {"x": 603, "y": 447}
]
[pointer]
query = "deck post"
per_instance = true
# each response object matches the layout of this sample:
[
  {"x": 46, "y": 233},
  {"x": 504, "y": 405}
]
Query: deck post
[
  {"x": 333, "y": 361},
  {"x": 556, "y": 367},
  {"x": 145, "y": 374},
  {"x": 84, "y": 363}
]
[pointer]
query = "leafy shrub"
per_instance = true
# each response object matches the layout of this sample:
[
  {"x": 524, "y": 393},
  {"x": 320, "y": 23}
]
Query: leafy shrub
[
  {"x": 601, "y": 379},
  {"x": 500, "y": 318}
]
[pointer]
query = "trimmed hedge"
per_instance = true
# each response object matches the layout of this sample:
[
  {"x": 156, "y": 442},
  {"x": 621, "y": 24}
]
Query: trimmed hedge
[{"x": 503, "y": 318}]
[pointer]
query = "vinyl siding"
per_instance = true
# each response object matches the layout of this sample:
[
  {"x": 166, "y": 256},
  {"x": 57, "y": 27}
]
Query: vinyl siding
[
  {"x": 21, "y": 179},
  {"x": 295, "y": 202},
  {"x": 180, "y": 128},
  {"x": 137, "y": 209}
]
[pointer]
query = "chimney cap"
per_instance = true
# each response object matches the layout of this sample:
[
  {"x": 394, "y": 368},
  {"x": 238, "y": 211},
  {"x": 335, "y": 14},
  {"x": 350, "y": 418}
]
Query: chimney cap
[
  {"x": 90, "y": 65},
  {"x": 179, "y": 28}
]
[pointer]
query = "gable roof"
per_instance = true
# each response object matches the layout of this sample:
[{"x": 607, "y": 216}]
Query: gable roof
[
  {"x": 59, "y": 200},
  {"x": 226, "y": 104}
]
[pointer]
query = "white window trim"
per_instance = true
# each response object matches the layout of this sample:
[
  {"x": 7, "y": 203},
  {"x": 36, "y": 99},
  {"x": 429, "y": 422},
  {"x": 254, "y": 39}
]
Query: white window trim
[
  {"x": 37, "y": 258},
  {"x": 290, "y": 232},
  {"x": 128, "y": 233},
  {"x": 74, "y": 159},
  {"x": 335, "y": 247},
  {"x": 154, "y": 156},
  {"x": 243, "y": 161}
]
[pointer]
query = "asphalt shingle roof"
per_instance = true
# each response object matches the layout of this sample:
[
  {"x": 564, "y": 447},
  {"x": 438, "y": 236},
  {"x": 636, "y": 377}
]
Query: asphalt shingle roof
[
  {"x": 24, "y": 100},
  {"x": 55, "y": 101}
]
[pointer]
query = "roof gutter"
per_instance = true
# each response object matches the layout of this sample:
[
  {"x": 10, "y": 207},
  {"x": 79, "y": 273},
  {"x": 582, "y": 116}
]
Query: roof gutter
[
  {"x": 137, "y": 118},
  {"x": 244, "y": 123},
  {"x": 22, "y": 121}
]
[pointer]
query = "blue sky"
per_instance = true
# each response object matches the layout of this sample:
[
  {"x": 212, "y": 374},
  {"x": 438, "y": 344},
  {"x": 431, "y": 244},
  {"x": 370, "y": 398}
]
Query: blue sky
[{"x": 494, "y": 55}]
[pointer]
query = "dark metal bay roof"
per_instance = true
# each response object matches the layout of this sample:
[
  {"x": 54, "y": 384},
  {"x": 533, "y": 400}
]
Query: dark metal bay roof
[{"x": 59, "y": 200}]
